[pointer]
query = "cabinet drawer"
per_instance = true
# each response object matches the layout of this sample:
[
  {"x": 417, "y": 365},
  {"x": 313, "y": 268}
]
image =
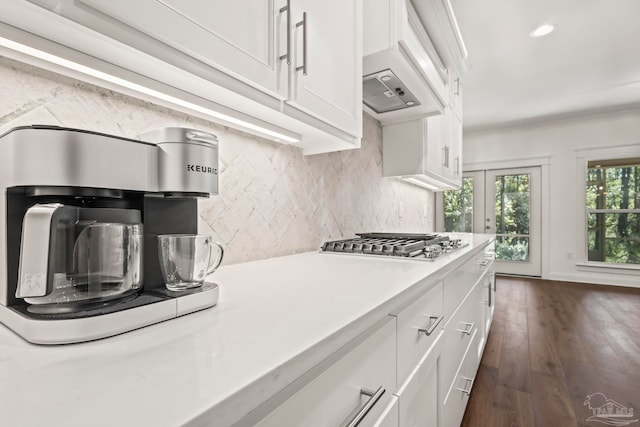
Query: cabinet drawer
[
  {"x": 461, "y": 280},
  {"x": 419, "y": 395},
  {"x": 456, "y": 399},
  {"x": 418, "y": 326},
  {"x": 458, "y": 333},
  {"x": 335, "y": 396}
]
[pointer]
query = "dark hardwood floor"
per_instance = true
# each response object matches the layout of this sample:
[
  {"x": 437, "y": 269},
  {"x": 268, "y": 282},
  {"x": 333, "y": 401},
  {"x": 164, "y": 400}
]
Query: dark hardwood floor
[{"x": 551, "y": 345}]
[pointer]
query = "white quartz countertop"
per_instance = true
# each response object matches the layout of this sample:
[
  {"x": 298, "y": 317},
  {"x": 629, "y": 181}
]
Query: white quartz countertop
[{"x": 275, "y": 320}]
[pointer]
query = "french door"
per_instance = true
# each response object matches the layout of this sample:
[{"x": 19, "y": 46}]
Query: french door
[
  {"x": 513, "y": 214},
  {"x": 504, "y": 202}
]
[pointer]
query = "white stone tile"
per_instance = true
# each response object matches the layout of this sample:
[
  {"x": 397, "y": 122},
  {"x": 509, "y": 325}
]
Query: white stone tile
[{"x": 273, "y": 200}]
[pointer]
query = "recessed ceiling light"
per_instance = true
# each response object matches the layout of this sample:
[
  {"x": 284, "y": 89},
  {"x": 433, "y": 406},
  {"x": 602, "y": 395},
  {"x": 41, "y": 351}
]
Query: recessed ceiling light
[{"x": 542, "y": 30}]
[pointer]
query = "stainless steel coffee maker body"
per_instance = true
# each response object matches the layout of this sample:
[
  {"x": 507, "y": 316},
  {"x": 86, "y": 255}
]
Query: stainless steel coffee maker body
[{"x": 80, "y": 213}]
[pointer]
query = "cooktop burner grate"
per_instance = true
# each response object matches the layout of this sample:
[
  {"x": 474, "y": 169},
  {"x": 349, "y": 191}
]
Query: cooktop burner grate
[{"x": 394, "y": 244}]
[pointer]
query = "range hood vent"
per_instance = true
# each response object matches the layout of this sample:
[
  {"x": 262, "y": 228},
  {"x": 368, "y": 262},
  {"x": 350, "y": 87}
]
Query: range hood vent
[{"x": 383, "y": 92}]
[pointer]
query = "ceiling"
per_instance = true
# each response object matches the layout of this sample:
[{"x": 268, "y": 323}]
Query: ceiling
[{"x": 590, "y": 63}]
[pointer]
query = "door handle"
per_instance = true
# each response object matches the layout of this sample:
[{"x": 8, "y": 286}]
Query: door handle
[
  {"x": 303, "y": 24},
  {"x": 433, "y": 325},
  {"x": 468, "y": 328},
  {"x": 287, "y": 9},
  {"x": 468, "y": 381},
  {"x": 374, "y": 396}
]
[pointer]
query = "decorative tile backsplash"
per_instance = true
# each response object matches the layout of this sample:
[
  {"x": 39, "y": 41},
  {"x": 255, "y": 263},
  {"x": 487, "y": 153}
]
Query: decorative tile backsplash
[{"x": 273, "y": 200}]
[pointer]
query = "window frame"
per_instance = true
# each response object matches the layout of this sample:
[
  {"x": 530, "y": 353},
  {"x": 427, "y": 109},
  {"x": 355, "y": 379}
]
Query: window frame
[{"x": 582, "y": 230}]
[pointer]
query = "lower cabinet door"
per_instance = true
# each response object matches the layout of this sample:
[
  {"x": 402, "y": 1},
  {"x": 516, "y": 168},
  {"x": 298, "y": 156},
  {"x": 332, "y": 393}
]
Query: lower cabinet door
[
  {"x": 464, "y": 323},
  {"x": 358, "y": 386},
  {"x": 418, "y": 397},
  {"x": 456, "y": 399}
]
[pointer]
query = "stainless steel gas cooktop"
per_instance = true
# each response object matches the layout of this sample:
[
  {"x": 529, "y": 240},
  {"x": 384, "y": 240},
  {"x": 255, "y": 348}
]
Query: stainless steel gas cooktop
[{"x": 406, "y": 245}]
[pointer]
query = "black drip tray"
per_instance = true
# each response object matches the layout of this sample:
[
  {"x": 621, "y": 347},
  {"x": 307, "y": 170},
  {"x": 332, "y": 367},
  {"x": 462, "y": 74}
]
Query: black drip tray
[{"x": 97, "y": 309}]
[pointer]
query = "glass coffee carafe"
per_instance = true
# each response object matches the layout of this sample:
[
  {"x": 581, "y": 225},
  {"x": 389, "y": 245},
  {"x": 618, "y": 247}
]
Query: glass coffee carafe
[{"x": 89, "y": 260}]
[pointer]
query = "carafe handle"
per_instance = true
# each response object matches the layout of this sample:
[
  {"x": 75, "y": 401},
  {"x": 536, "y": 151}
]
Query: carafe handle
[{"x": 43, "y": 228}]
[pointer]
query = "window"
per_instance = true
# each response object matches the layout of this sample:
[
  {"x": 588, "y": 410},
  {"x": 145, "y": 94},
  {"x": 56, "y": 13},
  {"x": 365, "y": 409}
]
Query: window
[
  {"x": 458, "y": 208},
  {"x": 613, "y": 211}
]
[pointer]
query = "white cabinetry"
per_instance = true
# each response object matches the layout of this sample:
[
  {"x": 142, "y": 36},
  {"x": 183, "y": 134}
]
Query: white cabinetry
[
  {"x": 236, "y": 37},
  {"x": 326, "y": 69},
  {"x": 427, "y": 33},
  {"x": 425, "y": 357},
  {"x": 465, "y": 333},
  {"x": 419, "y": 349},
  {"x": 419, "y": 395},
  {"x": 457, "y": 396},
  {"x": 422, "y": 152},
  {"x": 364, "y": 377},
  {"x": 291, "y": 67},
  {"x": 419, "y": 325},
  {"x": 395, "y": 38}
]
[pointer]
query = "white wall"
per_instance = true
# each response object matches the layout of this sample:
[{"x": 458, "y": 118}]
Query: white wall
[
  {"x": 273, "y": 200},
  {"x": 561, "y": 143}
]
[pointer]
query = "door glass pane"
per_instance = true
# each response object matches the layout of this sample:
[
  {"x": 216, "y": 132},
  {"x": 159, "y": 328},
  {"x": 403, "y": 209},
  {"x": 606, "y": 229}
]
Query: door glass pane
[
  {"x": 512, "y": 217},
  {"x": 509, "y": 248},
  {"x": 458, "y": 208}
]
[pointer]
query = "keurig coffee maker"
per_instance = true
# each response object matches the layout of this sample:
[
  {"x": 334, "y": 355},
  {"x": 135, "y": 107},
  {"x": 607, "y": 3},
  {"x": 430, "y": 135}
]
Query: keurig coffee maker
[{"x": 80, "y": 213}]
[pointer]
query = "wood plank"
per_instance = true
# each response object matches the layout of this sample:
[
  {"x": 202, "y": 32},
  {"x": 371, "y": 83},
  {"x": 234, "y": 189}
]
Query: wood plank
[
  {"x": 517, "y": 406},
  {"x": 552, "y": 345},
  {"x": 581, "y": 380},
  {"x": 544, "y": 355},
  {"x": 514, "y": 370},
  {"x": 491, "y": 355},
  {"x": 570, "y": 346},
  {"x": 552, "y": 404}
]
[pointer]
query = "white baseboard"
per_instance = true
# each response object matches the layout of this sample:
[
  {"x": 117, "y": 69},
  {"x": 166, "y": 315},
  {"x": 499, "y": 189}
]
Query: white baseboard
[{"x": 597, "y": 279}]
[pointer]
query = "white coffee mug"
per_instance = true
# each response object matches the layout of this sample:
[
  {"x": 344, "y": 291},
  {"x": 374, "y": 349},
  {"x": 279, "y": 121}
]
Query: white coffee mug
[{"x": 187, "y": 259}]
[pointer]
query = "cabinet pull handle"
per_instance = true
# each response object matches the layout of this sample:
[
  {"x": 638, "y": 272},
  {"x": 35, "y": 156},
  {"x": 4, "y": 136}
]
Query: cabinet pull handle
[
  {"x": 374, "y": 396},
  {"x": 287, "y": 9},
  {"x": 433, "y": 325},
  {"x": 468, "y": 328},
  {"x": 303, "y": 23},
  {"x": 458, "y": 165},
  {"x": 457, "y": 92},
  {"x": 468, "y": 381},
  {"x": 444, "y": 156},
  {"x": 483, "y": 262},
  {"x": 490, "y": 291}
]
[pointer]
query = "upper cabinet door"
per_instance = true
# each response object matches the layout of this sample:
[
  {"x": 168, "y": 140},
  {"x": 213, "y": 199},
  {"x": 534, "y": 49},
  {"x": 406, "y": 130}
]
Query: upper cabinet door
[
  {"x": 327, "y": 62},
  {"x": 238, "y": 37}
]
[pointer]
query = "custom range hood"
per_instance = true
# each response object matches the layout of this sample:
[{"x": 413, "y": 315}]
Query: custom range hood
[
  {"x": 404, "y": 76},
  {"x": 413, "y": 58}
]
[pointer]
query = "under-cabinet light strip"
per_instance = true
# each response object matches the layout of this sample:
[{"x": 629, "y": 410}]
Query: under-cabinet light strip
[
  {"x": 10, "y": 44},
  {"x": 420, "y": 183}
]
